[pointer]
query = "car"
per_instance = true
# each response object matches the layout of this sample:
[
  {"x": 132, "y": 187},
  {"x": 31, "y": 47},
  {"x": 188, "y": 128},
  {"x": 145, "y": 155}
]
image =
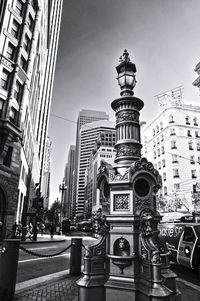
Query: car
[
  {"x": 72, "y": 227},
  {"x": 183, "y": 242}
]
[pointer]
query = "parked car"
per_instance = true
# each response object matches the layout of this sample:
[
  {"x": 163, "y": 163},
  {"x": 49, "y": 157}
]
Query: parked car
[
  {"x": 84, "y": 226},
  {"x": 72, "y": 227},
  {"x": 183, "y": 242}
]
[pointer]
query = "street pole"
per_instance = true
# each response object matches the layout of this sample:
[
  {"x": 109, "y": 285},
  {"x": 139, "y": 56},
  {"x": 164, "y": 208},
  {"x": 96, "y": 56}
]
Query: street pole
[{"x": 62, "y": 189}]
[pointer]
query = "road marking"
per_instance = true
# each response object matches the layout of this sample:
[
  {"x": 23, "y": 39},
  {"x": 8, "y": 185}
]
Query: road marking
[
  {"x": 43, "y": 258},
  {"x": 194, "y": 286}
]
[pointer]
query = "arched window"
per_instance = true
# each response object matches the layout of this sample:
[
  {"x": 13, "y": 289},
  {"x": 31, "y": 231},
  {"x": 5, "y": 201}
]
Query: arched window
[
  {"x": 157, "y": 128},
  {"x": 161, "y": 125},
  {"x": 195, "y": 121},
  {"x": 190, "y": 145},
  {"x": 187, "y": 120},
  {"x": 171, "y": 119},
  {"x": 162, "y": 150},
  {"x": 173, "y": 144},
  {"x": 158, "y": 151}
]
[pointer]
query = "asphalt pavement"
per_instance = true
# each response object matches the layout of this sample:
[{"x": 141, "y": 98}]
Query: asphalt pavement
[{"x": 62, "y": 287}]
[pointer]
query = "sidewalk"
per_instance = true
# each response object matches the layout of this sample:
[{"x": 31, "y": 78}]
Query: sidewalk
[
  {"x": 62, "y": 287},
  {"x": 55, "y": 287}
]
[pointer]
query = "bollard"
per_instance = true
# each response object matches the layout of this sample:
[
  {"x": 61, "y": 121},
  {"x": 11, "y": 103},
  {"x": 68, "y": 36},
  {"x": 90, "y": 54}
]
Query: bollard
[
  {"x": 75, "y": 256},
  {"x": 8, "y": 268}
]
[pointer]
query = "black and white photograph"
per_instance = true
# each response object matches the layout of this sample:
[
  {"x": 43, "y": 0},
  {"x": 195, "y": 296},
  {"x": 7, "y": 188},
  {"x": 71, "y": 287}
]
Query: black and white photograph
[{"x": 99, "y": 150}]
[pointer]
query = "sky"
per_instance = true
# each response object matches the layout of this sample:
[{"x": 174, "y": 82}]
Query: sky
[{"x": 162, "y": 38}]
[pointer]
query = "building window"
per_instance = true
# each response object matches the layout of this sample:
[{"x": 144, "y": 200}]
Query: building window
[
  {"x": 155, "y": 166},
  {"x": 145, "y": 150},
  {"x": 159, "y": 165},
  {"x": 163, "y": 163},
  {"x": 4, "y": 79},
  {"x": 154, "y": 132},
  {"x": 171, "y": 119},
  {"x": 195, "y": 121},
  {"x": 162, "y": 149},
  {"x": 8, "y": 158},
  {"x": 198, "y": 146},
  {"x": 1, "y": 106},
  {"x": 10, "y": 53},
  {"x": 164, "y": 176},
  {"x": 30, "y": 23},
  {"x": 154, "y": 143},
  {"x": 165, "y": 190},
  {"x": 176, "y": 173},
  {"x": 13, "y": 115},
  {"x": 34, "y": 4},
  {"x": 158, "y": 141},
  {"x": 192, "y": 161},
  {"x": 26, "y": 43},
  {"x": 154, "y": 155},
  {"x": 177, "y": 187},
  {"x": 157, "y": 129},
  {"x": 18, "y": 91},
  {"x": 19, "y": 7},
  {"x": 145, "y": 139},
  {"x": 189, "y": 133},
  {"x": 15, "y": 29},
  {"x": 174, "y": 158},
  {"x": 194, "y": 175},
  {"x": 199, "y": 160},
  {"x": 190, "y": 145},
  {"x": 162, "y": 137},
  {"x": 187, "y": 120},
  {"x": 172, "y": 132},
  {"x": 158, "y": 151},
  {"x": 173, "y": 144},
  {"x": 161, "y": 125},
  {"x": 197, "y": 134},
  {"x": 23, "y": 63}
]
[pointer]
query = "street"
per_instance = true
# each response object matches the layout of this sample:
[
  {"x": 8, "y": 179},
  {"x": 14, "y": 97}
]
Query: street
[{"x": 30, "y": 266}]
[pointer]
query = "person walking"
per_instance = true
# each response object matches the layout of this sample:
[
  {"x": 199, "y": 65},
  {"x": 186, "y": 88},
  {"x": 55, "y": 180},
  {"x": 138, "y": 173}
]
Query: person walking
[{"x": 52, "y": 229}]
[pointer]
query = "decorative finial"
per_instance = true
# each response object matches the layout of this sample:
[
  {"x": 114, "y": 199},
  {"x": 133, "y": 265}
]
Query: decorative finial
[{"x": 125, "y": 57}]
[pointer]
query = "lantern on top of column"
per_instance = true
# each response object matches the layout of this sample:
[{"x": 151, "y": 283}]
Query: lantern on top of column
[{"x": 126, "y": 74}]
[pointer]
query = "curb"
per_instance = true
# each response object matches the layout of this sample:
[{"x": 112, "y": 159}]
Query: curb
[
  {"x": 40, "y": 281},
  {"x": 31, "y": 284},
  {"x": 41, "y": 241}
]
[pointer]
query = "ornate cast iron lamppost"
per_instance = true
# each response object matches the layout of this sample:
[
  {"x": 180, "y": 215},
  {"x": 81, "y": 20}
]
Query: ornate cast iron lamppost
[
  {"x": 127, "y": 109},
  {"x": 128, "y": 262}
]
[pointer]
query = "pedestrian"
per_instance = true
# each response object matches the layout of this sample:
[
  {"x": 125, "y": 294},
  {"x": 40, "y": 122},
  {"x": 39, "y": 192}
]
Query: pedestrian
[
  {"x": 14, "y": 230},
  {"x": 58, "y": 229},
  {"x": 19, "y": 229},
  {"x": 52, "y": 229},
  {"x": 42, "y": 228}
]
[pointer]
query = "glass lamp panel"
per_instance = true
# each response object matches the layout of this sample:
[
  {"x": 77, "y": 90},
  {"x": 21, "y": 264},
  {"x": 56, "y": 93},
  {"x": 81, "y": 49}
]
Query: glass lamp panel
[{"x": 121, "y": 80}]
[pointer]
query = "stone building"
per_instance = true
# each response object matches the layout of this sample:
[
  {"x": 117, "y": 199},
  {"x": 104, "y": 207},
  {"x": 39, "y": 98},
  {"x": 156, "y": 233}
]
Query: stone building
[
  {"x": 93, "y": 195},
  {"x": 172, "y": 142},
  {"x": 29, "y": 32}
]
